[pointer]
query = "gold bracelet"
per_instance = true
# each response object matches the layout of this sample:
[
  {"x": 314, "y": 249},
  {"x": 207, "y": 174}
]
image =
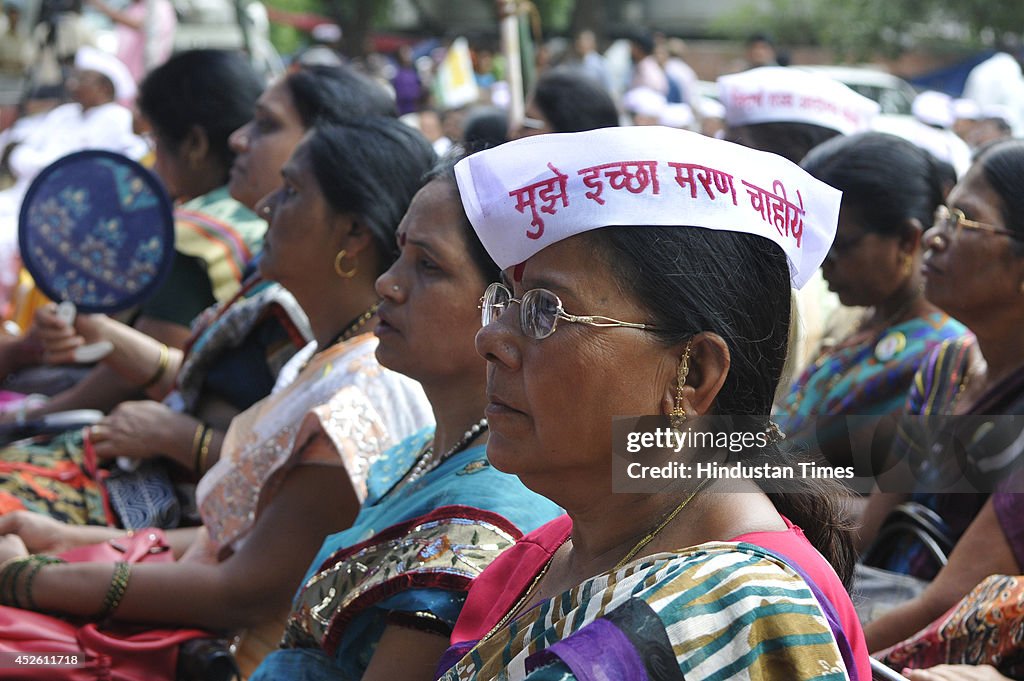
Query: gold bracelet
[
  {"x": 161, "y": 367},
  {"x": 204, "y": 451},
  {"x": 118, "y": 587}
]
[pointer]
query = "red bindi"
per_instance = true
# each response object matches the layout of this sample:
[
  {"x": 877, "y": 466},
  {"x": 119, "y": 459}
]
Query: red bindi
[{"x": 517, "y": 272}]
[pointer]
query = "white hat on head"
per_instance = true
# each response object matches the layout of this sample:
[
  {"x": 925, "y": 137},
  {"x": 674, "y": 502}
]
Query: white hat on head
[
  {"x": 933, "y": 108},
  {"x": 998, "y": 112},
  {"x": 711, "y": 108},
  {"x": 677, "y": 116},
  {"x": 533, "y": 192},
  {"x": 966, "y": 109},
  {"x": 644, "y": 101},
  {"x": 91, "y": 59},
  {"x": 776, "y": 94}
]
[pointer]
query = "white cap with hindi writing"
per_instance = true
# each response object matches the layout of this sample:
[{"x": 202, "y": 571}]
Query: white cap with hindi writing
[
  {"x": 530, "y": 193},
  {"x": 776, "y": 94}
]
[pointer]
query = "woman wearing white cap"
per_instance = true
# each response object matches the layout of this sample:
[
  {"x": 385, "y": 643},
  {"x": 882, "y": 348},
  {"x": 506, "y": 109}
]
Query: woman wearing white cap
[
  {"x": 789, "y": 112},
  {"x": 648, "y": 271}
]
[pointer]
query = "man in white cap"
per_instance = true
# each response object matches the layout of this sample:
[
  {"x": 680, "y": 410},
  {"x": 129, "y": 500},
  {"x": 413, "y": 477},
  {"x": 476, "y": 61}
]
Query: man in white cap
[
  {"x": 93, "y": 120},
  {"x": 995, "y": 122},
  {"x": 999, "y": 80}
]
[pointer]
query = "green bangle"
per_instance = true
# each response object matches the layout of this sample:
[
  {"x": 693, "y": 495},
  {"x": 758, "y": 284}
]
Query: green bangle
[
  {"x": 39, "y": 562},
  {"x": 5, "y": 576},
  {"x": 15, "y": 572},
  {"x": 118, "y": 587}
]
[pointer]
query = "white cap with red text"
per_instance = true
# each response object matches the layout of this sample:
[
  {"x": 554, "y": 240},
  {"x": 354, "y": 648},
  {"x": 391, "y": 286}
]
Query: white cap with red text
[
  {"x": 776, "y": 94},
  {"x": 525, "y": 195}
]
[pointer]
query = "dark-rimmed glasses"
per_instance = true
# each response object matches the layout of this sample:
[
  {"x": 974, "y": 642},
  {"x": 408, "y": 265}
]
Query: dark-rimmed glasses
[{"x": 539, "y": 312}]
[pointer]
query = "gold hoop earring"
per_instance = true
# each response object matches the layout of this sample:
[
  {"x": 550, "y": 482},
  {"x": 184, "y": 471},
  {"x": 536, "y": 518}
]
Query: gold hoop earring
[
  {"x": 678, "y": 415},
  {"x": 339, "y": 266}
]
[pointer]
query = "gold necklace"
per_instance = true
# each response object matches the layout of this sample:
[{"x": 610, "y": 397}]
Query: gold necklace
[
  {"x": 526, "y": 594},
  {"x": 356, "y": 324},
  {"x": 661, "y": 526},
  {"x": 347, "y": 333},
  {"x": 629, "y": 555}
]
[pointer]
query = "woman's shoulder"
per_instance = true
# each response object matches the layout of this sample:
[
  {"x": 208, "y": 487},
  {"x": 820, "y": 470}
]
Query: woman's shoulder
[
  {"x": 935, "y": 326},
  {"x": 218, "y": 204},
  {"x": 948, "y": 357}
]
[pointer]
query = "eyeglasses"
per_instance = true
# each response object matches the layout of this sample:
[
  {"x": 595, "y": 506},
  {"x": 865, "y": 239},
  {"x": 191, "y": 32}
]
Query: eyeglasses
[
  {"x": 539, "y": 312},
  {"x": 951, "y": 220}
]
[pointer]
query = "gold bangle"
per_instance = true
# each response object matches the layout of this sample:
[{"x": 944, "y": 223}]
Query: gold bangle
[
  {"x": 204, "y": 451},
  {"x": 161, "y": 367},
  {"x": 118, "y": 587}
]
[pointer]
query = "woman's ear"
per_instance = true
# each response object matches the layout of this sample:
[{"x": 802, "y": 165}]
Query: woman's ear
[
  {"x": 353, "y": 235},
  {"x": 706, "y": 368},
  {"x": 195, "y": 147},
  {"x": 910, "y": 240}
]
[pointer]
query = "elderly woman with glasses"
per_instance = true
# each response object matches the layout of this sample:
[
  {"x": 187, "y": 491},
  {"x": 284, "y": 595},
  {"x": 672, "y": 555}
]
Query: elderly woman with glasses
[
  {"x": 644, "y": 273},
  {"x": 974, "y": 270}
]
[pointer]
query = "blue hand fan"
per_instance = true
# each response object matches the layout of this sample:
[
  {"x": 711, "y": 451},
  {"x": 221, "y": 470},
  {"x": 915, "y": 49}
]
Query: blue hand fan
[{"x": 96, "y": 232}]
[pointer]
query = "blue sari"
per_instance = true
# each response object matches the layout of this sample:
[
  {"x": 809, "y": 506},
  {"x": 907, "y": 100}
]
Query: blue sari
[{"x": 408, "y": 559}]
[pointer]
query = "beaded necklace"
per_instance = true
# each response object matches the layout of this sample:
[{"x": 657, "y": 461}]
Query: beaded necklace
[
  {"x": 427, "y": 462},
  {"x": 354, "y": 326},
  {"x": 345, "y": 334}
]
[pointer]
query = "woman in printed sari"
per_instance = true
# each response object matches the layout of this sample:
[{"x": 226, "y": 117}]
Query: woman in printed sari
[
  {"x": 890, "y": 191},
  {"x": 380, "y": 599},
  {"x": 292, "y": 468},
  {"x": 232, "y": 359},
  {"x": 679, "y": 309},
  {"x": 974, "y": 269}
]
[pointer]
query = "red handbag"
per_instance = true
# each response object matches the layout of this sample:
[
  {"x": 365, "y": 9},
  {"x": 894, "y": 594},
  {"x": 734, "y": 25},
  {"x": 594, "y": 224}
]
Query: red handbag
[{"x": 38, "y": 646}]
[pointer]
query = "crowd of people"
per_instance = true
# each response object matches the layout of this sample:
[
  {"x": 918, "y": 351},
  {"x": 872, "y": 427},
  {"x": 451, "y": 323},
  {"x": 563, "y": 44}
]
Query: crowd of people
[{"x": 365, "y": 469}]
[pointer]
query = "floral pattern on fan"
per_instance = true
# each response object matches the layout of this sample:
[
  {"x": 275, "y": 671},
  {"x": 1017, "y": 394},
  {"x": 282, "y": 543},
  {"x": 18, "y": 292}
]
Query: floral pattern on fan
[{"x": 97, "y": 229}]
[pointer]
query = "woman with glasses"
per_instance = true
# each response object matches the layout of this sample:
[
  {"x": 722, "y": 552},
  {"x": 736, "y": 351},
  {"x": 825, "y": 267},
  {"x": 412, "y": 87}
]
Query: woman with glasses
[
  {"x": 973, "y": 269},
  {"x": 890, "y": 192},
  {"x": 668, "y": 296},
  {"x": 380, "y": 599}
]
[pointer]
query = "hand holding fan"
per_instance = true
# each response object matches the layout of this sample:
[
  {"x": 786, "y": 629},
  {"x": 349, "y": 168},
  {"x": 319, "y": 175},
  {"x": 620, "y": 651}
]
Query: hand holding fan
[{"x": 96, "y": 232}]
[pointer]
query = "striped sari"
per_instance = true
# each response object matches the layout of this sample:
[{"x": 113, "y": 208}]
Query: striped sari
[{"x": 719, "y": 610}]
